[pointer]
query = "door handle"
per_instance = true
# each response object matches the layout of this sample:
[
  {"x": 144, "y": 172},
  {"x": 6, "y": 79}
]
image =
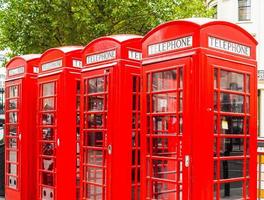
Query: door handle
[
  {"x": 109, "y": 149},
  {"x": 187, "y": 161}
]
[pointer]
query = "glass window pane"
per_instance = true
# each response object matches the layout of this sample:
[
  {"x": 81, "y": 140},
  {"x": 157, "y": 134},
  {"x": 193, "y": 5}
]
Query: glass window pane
[
  {"x": 232, "y": 81},
  {"x": 12, "y": 104},
  {"x": 48, "y": 118},
  {"x": 47, "y": 134},
  {"x": 13, "y": 117},
  {"x": 231, "y": 169},
  {"x": 232, "y": 147},
  {"x": 96, "y": 103},
  {"x": 164, "y": 80},
  {"x": 96, "y": 85},
  {"x": 94, "y": 139},
  {"x": 232, "y": 102},
  {"x": 232, "y": 191},
  {"x": 215, "y": 78},
  {"x": 164, "y": 102},
  {"x": 12, "y": 130},
  {"x": 95, "y": 121},
  {"x": 48, "y": 104},
  {"x": 48, "y": 89},
  {"x": 47, "y": 149},
  {"x": 165, "y": 125},
  {"x": 13, "y": 91},
  {"x": 232, "y": 125}
]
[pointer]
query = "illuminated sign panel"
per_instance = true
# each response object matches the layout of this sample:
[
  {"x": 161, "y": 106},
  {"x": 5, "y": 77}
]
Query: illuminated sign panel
[
  {"x": 176, "y": 44},
  {"x": 108, "y": 55},
  {"x": 16, "y": 71},
  {"x": 228, "y": 46},
  {"x": 134, "y": 55},
  {"x": 51, "y": 65}
]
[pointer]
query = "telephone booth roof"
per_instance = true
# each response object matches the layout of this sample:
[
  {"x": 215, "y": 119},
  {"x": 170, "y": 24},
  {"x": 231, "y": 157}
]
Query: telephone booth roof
[
  {"x": 19, "y": 66},
  {"x": 185, "y": 34},
  {"x": 109, "y": 48},
  {"x": 60, "y": 57}
]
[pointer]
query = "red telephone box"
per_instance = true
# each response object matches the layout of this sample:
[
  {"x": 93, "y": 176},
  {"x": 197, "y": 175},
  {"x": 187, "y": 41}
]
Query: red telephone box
[
  {"x": 110, "y": 144},
  {"x": 199, "y": 112},
  {"x": 20, "y": 127},
  {"x": 58, "y": 129}
]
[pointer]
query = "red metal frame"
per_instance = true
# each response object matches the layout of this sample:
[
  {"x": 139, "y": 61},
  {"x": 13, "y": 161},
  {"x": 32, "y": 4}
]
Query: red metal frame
[
  {"x": 189, "y": 160},
  {"x": 111, "y": 69},
  {"x": 20, "y": 127},
  {"x": 58, "y": 86}
]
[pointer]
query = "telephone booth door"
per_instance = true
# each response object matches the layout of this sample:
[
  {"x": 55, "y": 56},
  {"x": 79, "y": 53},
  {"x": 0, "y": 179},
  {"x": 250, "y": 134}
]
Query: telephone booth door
[
  {"x": 13, "y": 137},
  {"x": 20, "y": 127},
  {"x": 167, "y": 146},
  {"x": 96, "y": 140},
  {"x": 110, "y": 119},
  {"x": 47, "y": 138},
  {"x": 58, "y": 123},
  {"x": 234, "y": 105}
]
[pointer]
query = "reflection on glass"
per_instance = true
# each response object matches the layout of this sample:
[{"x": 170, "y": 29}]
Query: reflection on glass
[
  {"x": 96, "y": 103},
  {"x": 231, "y": 169},
  {"x": 95, "y": 121},
  {"x": 164, "y": 169},
  {"x": 215, "y": 101},
  {"x": 92, "y": 191},
  {"x": 12, "y": 169},
  {"x": 13, "y": 117},
  {"x": 47, "y": 134},
  {"x": 12, "y": 143},
  {"x": 48, "y": 164},
  {"x": 165, "y": 125},
  {"x": 12, "y": 104},
  {"x": 232, "y": 147},
  {"x": 161, "y": 147},
  {"x": 96, "y": 85},
  {"x": 48, "y": 103},
  {"x": 232, "y": 102},
  {"x": 12, "y": 157},
  {"x": 232, "y": 81},
  {"x": 164, "y": 102},
  {"x": 47, "y": 149},
  {"x": 95, "y": 157},
  {"x": 181, "y": 78},
  {"x": 47, "y": 179},
  {"x": 13, "y": 91},
  {"x": 47, "y": 119},
  {"x": 48, "y": 89},
  {"x": 12, "y": 130},
  {"x": 232, "y": 125},
  {"x": 164, "y": 80},
  {"x": 158, "y": 191},
  {"x": 231, "y": 191},
  {"x": 94, "y": 139}
]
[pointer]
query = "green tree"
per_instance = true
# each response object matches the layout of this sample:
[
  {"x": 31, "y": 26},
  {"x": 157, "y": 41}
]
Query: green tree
[{"x": 32, "y": 26}]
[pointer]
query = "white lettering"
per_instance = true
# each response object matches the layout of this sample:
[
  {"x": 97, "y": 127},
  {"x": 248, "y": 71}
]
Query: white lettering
[
  {"x": 134, "y": 55},
  {"x": 16, "y": 71},
  {"x": 228, "y": 46},
  {"x": 51, "y": 65},
  {"x": 77, "y": 63},
  {"x": 179, "y": 43},
  {"x": 101, "y": 57}
]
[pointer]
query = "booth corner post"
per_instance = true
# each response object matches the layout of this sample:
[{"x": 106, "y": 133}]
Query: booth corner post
[
  {"x": 58, "y": 123},
  {"x": 20, "y": 127},
  {"x": 110, "y": 146},
  {"x": 198, "y": 111}
]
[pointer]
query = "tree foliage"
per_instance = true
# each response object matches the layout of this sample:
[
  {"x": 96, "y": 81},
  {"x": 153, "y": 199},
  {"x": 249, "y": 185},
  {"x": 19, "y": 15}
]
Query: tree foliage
[{"x": 32, "y": 26}]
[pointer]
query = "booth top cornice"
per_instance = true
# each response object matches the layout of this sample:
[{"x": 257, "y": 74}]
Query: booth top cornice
[
  {"x": 120, "y": 39},
  {"x": 64, "y": 49},
  {"x": 26, "y": 58},
  {"x": 200, "y": 23}
]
